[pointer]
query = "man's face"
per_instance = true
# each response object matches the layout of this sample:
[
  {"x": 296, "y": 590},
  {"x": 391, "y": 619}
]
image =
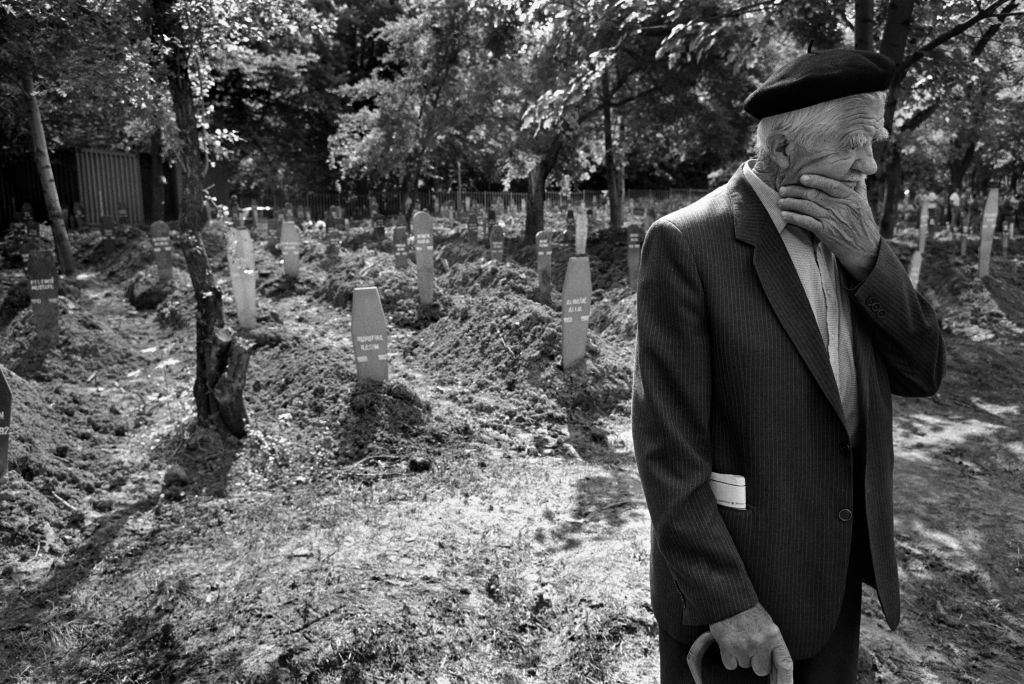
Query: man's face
[{"x": 844, "y": 152}]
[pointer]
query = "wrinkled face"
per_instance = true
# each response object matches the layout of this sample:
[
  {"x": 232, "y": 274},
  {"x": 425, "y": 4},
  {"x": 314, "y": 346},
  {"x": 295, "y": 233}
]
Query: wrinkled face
[{"x": 844, "y": 152}]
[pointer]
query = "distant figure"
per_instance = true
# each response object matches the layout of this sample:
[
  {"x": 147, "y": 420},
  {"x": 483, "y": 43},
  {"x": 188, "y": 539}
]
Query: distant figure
[
  {"x": 773, "y": 326},
  {"x": 954, "y": 210}
]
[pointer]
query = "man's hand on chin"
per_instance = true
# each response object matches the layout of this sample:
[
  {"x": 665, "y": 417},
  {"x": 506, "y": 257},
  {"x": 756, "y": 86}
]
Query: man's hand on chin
[
  {"x": 837, "y": 215},
  {"x": 752, "y": 639}
]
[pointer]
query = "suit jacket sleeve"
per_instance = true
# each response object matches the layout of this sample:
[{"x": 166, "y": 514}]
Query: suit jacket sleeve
[
  {"x": 671, "y": 407},
  {"x": 904, "y": 330}
]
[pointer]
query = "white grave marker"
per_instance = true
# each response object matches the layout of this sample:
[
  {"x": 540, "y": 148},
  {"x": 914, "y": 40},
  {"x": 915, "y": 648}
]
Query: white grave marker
[
  {"x": 242, "y": 265},
  {"x": 634, "y": 242},
  {"x": 988, "y": 229},
  {"x": 423, "y": 230},
  {"x": 576, "y": 293},
  {"x": 544, "y": 266},
  {"x": 369, "y": 335},
  {"x": 581, "y": 233}
]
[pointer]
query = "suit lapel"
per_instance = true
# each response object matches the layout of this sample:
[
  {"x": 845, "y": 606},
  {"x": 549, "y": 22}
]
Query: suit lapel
[{"x": 781, "y": 284}]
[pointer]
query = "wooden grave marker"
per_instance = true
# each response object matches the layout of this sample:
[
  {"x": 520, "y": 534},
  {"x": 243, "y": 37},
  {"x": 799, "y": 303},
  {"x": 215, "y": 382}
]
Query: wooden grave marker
[
  {"x": 423, "y": 229},
  {"x": 369, "y": 335},
  {"x": 471, "y": 226},
  {"x": 497, "y": 239},
  {"x": 5, "y": 422},
  {"x": 290, "y": 245},
  {"x": 486, "y": 227},
  {"x": 273, "y": 232},
  {"x": 42, "y": 279},
  {"x": 988, "y": 229},
  {"x": 107, "y": 226},
  {"x": 570, "y": 222},
  {"x": 576, "y": 293},
  {"x": 635, "y": 238},
  {"x": 160, "y": 236},
  {"x": 122, "y": 217},
  {"x": 544, "y": 266},
  {"x": 242, "y": 266},
  {"x": 401, "y": 240},
  {"x": 378, "y": 226},
  {"x": 581, "y": 233}
]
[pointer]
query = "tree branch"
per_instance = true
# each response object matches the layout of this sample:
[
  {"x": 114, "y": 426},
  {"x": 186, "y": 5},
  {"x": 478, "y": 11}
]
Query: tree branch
[{"x": 919, "y": 54}]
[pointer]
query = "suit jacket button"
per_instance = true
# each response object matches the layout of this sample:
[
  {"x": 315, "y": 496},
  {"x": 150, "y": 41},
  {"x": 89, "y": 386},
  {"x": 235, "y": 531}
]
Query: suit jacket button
[{"x": 846, "y": 515}]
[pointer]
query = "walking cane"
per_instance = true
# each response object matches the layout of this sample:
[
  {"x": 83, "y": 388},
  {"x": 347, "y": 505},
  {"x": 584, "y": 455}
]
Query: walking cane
[{"x": 696, "y": 655}]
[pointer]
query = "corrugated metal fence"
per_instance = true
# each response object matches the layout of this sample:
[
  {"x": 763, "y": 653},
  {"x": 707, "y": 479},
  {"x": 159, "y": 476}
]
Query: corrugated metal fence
[{"x": 108, "y": 183}]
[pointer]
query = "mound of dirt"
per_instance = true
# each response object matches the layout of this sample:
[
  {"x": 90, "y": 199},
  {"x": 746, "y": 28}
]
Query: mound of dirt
[
  {"x": 86, "y": 346},
  {"x": 302, "y": 393},
  {"x": 56, "y": 469}
]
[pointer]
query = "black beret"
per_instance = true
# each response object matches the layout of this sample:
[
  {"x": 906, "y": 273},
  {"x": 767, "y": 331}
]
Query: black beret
[{"x": 817, "y": 77}]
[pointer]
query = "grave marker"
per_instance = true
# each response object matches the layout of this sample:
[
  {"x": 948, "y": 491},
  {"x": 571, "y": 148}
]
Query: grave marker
[
  {"x": 988, "y": 229},
  {"x": 400, "y": 238},
  {"x": 576, "y": 293},
  {"x": 570, "y": 221},
  {"x": 242, "y": 266},
  {"x": 581, "y": 233},
  {"x": 423, "y": 229},
  {"x": 160, "y": 236},
  {"x": 273, "y": 232},
  {"x": 369, "y": 335},
  {"x": 378, "y": 226},
  {"x": 5, "y": 422},
  {"x": 497, "y": 238},
  {"x": 290, "y": 244},
  {"x": 471, "y": 225},
  {"x": 106, "y": 226},
  {"x": 634, "y": 242},
  {"x": 487, "y": 226},
  {"x": 544, "y": 266},
  {"x": 42, "y": 280}
]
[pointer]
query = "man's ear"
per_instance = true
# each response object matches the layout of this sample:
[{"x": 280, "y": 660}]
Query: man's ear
[{"x": 780, "y": 150}]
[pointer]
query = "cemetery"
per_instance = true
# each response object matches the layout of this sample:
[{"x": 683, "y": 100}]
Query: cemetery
[{"x": 371, "y": 423}]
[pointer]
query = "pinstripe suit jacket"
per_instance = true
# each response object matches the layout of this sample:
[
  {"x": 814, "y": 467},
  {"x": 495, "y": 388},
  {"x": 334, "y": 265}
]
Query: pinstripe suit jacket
[{"x": 732, "y": 377}]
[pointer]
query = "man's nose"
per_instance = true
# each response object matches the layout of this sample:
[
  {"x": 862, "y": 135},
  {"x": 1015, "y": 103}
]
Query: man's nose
[{"x": 866, "y": 160}]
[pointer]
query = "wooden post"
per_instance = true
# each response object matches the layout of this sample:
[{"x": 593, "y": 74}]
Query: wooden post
[
  {"x": 423, "y": 229},
  {"x": 5, "y": 422},
  {"x": 42, "y": 275},
  {"x": 290, "y": 243},
  {"x": 159, "y": 234},
  {"x": 497, "y": 239},
  {"x": 369, "y": 335},
  {"x": 576, "y": 293},
  {"x": 400, "y": 238}
]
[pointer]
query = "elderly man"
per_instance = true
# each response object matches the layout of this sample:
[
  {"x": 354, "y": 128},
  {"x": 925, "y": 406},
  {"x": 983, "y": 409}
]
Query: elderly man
[{"x": 773, "y": 325}]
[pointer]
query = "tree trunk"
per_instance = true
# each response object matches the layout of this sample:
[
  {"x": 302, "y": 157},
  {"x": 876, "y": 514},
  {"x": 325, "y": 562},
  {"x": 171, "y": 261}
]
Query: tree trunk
[
  {"x": 221, "y": 360},
  {"x": 157, "y": 184},
  {"x": 52, "y": 199},
  {"x": 611, "y": 162},
  {"x": 535, "y": 202},
  {"x": 886, "y": 190},
  {"x": 864, "y": 25}
]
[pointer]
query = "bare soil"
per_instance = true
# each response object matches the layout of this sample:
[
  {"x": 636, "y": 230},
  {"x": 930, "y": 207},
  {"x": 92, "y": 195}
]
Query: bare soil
[{"x": 478, "y": 518}]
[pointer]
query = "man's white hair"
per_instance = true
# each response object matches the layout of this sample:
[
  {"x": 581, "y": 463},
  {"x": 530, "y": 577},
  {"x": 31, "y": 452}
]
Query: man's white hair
[{"x": 808, "y": 125}]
